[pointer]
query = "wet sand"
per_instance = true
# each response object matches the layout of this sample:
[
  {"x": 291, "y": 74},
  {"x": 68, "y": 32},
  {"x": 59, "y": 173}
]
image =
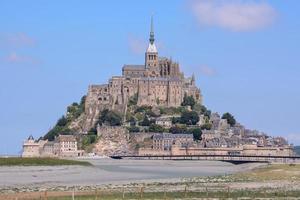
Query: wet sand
[{"x": 110, "y": 171}]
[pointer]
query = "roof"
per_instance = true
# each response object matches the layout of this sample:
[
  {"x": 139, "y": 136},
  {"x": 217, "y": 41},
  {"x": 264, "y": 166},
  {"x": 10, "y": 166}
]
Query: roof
[
  {"x": 151, "y": 48},
  {"x": 171, "y": 136},
  {"x": 30, "y": 137},
  {"x": 66, "y": 138},
  {"x": 134, "y": 67},
  {"x": 160, "y": 79},
  {"x": 165, "y": 119}
]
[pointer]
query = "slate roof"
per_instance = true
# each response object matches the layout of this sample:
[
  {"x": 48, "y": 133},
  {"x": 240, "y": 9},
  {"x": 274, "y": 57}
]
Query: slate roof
[
  {"x": 171, "y": 136},
  {"x": 134, "y": 67}
]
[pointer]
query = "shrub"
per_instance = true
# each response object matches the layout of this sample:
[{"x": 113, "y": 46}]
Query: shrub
[
  {"x": 110, "y": 117},
  {"x": 189, "y": 118},
  {"x": 133, "y": 100},
  {"x": 196, "y": 133},
  {"x": 230, "y": 118},
  {"x": 206, "y": 126},
  {"x": 133, "y": 129},
  {"x": 178, "y": 129},
  {"x": 145, "y": 122},
  {"x": 62, "y": 121},
  {"x": 155, "y": 128},
  {"x": 143, "y": 109},
  {"x": 188, "y": 101}
]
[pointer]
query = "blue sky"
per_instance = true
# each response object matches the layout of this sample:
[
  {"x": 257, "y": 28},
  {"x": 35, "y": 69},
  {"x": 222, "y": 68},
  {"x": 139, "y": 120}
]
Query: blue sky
[{"x": 245, "y": 55}]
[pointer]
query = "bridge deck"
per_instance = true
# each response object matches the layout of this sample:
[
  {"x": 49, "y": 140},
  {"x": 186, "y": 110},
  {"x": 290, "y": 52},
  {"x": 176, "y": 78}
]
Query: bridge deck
[{"x": 227, "y": 158}]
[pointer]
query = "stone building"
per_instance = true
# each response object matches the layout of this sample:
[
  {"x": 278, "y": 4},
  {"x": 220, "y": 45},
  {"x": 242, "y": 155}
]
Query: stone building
[
  {"x": 246, "y": 150},
  {"x": 164, "y": 121},
  {"x": 164, "y": 141},
  {"x": 62, "y": 146},
  {"x": 66, "y": 146},
  {"x": 32, "y": 148},
  {"x": 157, "y": 82}
]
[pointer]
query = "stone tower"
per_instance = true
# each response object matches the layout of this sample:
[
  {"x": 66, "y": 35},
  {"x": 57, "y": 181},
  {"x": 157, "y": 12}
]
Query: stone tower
[{"x": 151, "y": 56}]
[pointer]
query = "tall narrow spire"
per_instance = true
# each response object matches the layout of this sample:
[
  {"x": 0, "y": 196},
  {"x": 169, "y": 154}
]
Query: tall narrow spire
[{"x": 151, "y": 32}]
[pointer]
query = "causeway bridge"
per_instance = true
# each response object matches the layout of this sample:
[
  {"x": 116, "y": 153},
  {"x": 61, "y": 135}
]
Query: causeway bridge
[{"x": 235, "y": 159}]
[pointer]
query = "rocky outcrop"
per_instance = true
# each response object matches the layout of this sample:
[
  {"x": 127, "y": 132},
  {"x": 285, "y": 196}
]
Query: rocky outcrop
[{"x": 114, "y": 140}]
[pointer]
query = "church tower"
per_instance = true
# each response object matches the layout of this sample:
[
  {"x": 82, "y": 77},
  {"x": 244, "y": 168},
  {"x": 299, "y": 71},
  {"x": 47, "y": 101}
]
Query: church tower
[{"x": 151, "y": 56}]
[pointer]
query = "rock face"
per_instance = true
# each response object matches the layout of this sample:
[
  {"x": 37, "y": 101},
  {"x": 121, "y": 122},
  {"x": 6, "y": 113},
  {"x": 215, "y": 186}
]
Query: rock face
[{"x": 114, "y": 140}]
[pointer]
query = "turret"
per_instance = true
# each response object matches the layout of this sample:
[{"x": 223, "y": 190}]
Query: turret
[{"x": 193, "y": 79}]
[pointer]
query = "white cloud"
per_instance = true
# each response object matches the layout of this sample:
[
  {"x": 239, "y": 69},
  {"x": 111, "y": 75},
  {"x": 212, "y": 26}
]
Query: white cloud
[
  {"x": 21, "y": 39},
  {"x": 136, "y": 45},
  {"x": 235, "y": 15},
  {"x": 208, "y": 71},
  {"x": 16, "y": 58},
  {"x": 16, "y": 40}
]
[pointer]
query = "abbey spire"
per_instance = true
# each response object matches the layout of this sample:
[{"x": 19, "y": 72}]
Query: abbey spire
[
  {"x": 151, "y": 40},
  {"x": 151, "y": 55},
  {"x": 151, "y": 46}
]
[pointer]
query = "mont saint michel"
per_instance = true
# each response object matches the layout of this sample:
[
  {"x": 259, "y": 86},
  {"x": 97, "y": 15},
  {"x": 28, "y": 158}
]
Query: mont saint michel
[{"x": 193, "y": 99}]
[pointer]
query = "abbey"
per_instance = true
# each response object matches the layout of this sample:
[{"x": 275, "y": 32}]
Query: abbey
[{"x": 157, "y": 82}]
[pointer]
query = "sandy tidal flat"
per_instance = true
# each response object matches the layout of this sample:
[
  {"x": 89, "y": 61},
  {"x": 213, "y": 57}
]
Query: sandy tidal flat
[{"x": 109, "y": 171}]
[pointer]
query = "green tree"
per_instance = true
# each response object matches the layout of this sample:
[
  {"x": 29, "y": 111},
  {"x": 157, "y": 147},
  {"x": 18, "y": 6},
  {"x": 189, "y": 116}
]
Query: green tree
[
  {"x": 103, "y": 115},
  {"x": 133, "y": 129},
  {"x": 206, "y": 126},
  {"x": 87, "y": 140},
  {"x": 143, "y": 109},
  {"x": 175, "y": 120},
  {"x": 189, "y": 118},
  {"x": 92, "y": 131},
  {"x": 230, "y": 118},
  {"x": 197, "y": 132},
  {"x": 188, "y": 101},
  {"x": 204, "y": 111},
  {"x": 178, "y": 129},
  {"x": 155, "y": 128},
  {"x": 133, "y": 100},
  {"x": 110, "y": 117},
  {"x": 62, "y": 121},
  {"x": 132, "y": 121},
  {"x": 82, "y": 103},
  {"x": 55, "y": 131},
  {"x": 145, "y": 122},
  {"x": 114, "y": 119}
]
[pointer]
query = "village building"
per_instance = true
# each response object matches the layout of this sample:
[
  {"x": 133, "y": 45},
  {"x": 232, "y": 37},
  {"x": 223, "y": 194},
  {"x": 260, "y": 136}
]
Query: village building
[
  {"x": 164, "y": 121},
  {"x": 62, "y": 146},
  {"x": 164, "y": 141}
]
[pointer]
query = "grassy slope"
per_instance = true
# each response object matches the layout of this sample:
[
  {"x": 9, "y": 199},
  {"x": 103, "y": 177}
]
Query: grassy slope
[
  {"x": 272, "y": 172},
  {"x": 39, "y": 162}
]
